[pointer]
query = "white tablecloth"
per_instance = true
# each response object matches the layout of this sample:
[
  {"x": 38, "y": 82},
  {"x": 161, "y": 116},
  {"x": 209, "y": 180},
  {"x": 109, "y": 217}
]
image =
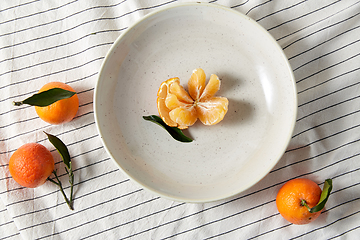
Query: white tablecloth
[{"x": 43, "y": 41}]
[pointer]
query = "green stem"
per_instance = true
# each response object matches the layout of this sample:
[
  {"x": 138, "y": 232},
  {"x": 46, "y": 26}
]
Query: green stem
[
  {"x": 17, "y": 103},
  {"x": 303, "y": 203},
  {"x": 53, "y": 181},
  {"x": 69, "y": 203},
  {"x": 71, "y": 181}
]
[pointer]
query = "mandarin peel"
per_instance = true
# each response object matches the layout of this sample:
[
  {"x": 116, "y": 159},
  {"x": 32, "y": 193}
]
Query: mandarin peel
[
  {"x": 178, "y": 108},
  {"x": 300, "y": 201}
]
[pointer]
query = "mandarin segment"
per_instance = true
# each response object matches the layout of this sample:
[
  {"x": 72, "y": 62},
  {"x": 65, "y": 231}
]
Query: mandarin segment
[
  {"x": 172, "y": 101},
  {"x": 184, "y": 116},
  {"x": 161, "y": 105},
  {"x": 179, "y": 109},
  {"x": 212, "y": 111},
  {"x": 211, "y": 88},
  {"x": 196, "y": 83},
  {"x": 180, "y": 92}
]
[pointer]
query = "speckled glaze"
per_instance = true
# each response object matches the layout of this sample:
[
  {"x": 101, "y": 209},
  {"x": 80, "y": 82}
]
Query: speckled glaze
[{"x": 225, "y": 159}]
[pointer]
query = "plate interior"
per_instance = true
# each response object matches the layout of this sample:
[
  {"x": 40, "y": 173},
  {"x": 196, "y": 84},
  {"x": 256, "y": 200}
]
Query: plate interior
[{"x": 223, "y": 159}]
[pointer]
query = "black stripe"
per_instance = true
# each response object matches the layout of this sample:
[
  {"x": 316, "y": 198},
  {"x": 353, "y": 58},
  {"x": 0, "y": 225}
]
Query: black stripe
[
  {"x": 327, "y": 225},
  {"x": 304, "y": 15},
  {"x": 345, "y": 173},
  {"x": 18, "y": 122},
  {"x": 19, "y": 95},
  {"x": 137, "y": 219},
  {"x": 217, "y": 220},
  {"x": 272, "y": 230},
  {"x": 27, "y": 94},
  {"x": 6, "y": 223},
  {"x": 326, "y": 54},
  {"x": 318, "y": 155},
  {"x": 243, "y": 196},
  {"x": 341, "y": 147},
  {"x": 278, "y": 228},
  {"x": 321, "y": 20},
  {"x": 54, "y": 60},
  {"x": 227, "y": 202},
  {"x": 77, "y": 197},
  {"x": 343, "y": 233},
  {"x": 53, "y": 73},
  {"x": 323, "y": 109},
  {"x": 330, "y": 165},
  {"x": 321, "y": 139},
  {"x": 77, "y": 212},
  {"x": 84, "y": 23},
  {"x": 281, "y": 10},
  {"x": 34, "y": 118},
  {"x": 320, "y": 30},
  {"x": 333, "y": 92},
  {"x": 62, "y": 45},
  {"x": 326, "y": 41},
  {"x": 246, "y": 225},
  {"x": 108, "y": 215},
  {"x": 58, "y": 135},
  {"x": 60, "y": 19},
  {"x": 33, "y": 14},
  {"x": 241, "y": 4},
  {"x": 10, "y": 236},
  {"x": 256, "y": 6},
  {"x": 342, "y": 203},
  {"x": 56, "y": 191},
  {"x": 208, "y": 223},
  {"x": 32, "y": 131},
  {"x": 324, "y": 123},
  {"x": 329, "y": 67},
  {"x": 19, "y": 5}
]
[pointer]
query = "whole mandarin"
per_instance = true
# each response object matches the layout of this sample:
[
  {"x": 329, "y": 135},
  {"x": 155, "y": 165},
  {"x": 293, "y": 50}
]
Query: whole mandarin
[
  {"x": 59, "y": 112},
  {"x": 290, "y": 196},
  {"x": 31, "y": 165}
]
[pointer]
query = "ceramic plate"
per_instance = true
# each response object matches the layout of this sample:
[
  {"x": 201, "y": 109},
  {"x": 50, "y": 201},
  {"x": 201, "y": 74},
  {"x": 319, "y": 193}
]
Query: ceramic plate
[{"x": 224, "y": 159}]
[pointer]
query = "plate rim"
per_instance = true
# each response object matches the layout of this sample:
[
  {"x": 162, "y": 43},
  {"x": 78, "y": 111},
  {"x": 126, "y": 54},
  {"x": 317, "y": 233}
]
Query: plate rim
[{"x": 196, "y": 4}]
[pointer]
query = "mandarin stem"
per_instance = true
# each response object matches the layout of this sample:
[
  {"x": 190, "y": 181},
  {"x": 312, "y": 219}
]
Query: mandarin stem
[
  {"x": 17, "y": 103},
  {"x": 53, "y": 181},
  {"x": 62, "y": 191},
  {"x": 303, "y": 203},
  {"x": 71, "y": 181}
]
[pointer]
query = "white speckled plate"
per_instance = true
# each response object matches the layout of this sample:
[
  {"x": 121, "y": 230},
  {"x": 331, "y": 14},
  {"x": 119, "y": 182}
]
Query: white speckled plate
[{"x": 225, "y": 159}]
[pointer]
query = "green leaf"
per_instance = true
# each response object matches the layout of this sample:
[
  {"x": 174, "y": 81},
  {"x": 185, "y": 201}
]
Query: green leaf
[
  {"x": 175, "y": 132},
  {"x": 61, "y": 148},
  {"x": 46, "y": 98},
  {"x": 324, "y": 196}
]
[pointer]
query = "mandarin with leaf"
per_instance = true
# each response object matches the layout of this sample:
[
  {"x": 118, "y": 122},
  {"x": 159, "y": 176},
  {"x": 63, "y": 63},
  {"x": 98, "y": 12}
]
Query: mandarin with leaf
[
  {"x": 293, "y": 196},
  {"x": 61, "y": 111}
]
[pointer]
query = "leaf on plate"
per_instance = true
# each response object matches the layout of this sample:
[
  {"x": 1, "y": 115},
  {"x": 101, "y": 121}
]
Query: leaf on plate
[
  {"x": 175, "y": 132},
  {"x": 46, "y": 98}
]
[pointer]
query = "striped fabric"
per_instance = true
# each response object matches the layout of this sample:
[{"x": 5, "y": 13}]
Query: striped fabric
[{"x": 43, "y": 41}]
